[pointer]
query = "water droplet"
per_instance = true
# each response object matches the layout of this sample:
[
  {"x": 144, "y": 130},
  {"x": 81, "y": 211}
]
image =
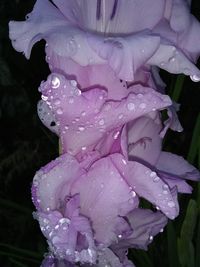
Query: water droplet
[
  {"x": 115, "y": 135},
  {"x": 73, "y": 83},
  {"x": 165, "y": 192},
  {"x": 59, "y": 111},
  {"x": 83, "y": 113},
  {"x": 133, "y": 194},
  {"x": 119, "y": 236},
  {"x": 153, "y": 174},
  {"x": 172, "y": 59},
  {"x": 47, "y": 58},
  {"x": 161, "y": 230},
  {"x": 195, "y": 78},
  {"x": 140, "y": 95},
  {"x": 165, "y": 186},
  {"x": 156, "y": 179},
  {"x": 71, "y": 100},
  {"x": 81, "y": 128},
  {"x": 44, "y": 97},
  {"x": 157, "y": 208},
  {"x": 77, "y": 92},
  {"x": 83, "y": 148},
  {"x": 101, "y": 122},
  {"x": 55, "y": 82},
  {"x": 56, "y": 101},
  {"x": 171, "y": 204},
  {"x": 162, "y": 64},
  {"x": 142, "y": 105},
  {"x": 66, "y": 127},
  {"x": 57, "y": 226},
  {"x": 151, "y": 238},
  {"x": 102, "y": 185},
  {"x": 124, "y": 161},
  {"x": 120, "y": 116},
  {"x": 131, "y": 106}
]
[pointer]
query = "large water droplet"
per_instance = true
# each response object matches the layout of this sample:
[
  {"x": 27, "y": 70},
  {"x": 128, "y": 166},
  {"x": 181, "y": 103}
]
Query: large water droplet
[
  {"x": 81, "y": 128},
  {"x": 55, "y": 82},
  {"x": 195, "y": 78},
  {"x": 44, "y": 97}
]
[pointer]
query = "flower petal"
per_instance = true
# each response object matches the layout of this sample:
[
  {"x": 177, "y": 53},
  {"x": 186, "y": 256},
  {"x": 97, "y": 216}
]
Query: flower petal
[
  {"x": 104, "y": 186},
  {"x": 51, "y": 183},
  {"x": 148, "y": 185},
  {"x": 145, "y": 224},
  {"x": 47, "y": 117},
  {"x": 126, "y": 55},
  {"x": 171, "y": 163},
  {"x": 25, "y": 34},
  {"x": 85, "y": 116}
]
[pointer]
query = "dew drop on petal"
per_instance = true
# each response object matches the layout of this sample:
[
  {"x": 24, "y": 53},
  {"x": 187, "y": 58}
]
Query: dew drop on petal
[
  {"x": 55, "y": 82},
  {"x": 81, "y": 128},
  {"x": 59, "y": 111},
  {"x": 71, "y": 100},
  {"x": 195, "y": 78},
  {"x": 171, "y": 204},
  {"x": 73, "y": 83},
  {"x": 142, "y": 105},
  {"x": 131, "y": 106},
  {"x": 153, "y": 174},
  {"x": 44, "y": 97},
  {"x": 151, "y": 238},
  {"x": 57, "y": 101},
  {"x": 161, "y": 230},
  {"x": 120, "y": 116},
  {"x": 101, "y": 122}
]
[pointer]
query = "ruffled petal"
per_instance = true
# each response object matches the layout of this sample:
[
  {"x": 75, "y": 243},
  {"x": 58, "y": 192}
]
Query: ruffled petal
[
  {"x": 85, "y": 116},
  {"x": 25, "y": 34},
  {"x": 47, "y": 117},
  {"x": 126, "y": 55},
  {"x": 51, "y": 184},
  {"x": 104, "y": 186},
  {"x": 173, "y": 164},
  {"x": 171, "y": 59},
  {"x": 62, "y": 234}
]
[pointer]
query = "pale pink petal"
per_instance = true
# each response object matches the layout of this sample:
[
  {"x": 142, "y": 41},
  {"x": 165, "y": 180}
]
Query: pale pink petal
[
  {"x": 104, "y": 186},
  {"x": 51, "y": 183},
  {"x": 85, "y": 116}
]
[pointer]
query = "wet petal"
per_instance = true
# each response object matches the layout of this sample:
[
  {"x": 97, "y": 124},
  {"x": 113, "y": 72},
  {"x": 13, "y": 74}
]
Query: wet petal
[
  {"x": 148, "y": 185},
  {"x": 171, "y": 59},
  {"x": 126, "y": 55},
  {"x": 51, "y": 183},
  {"x": 47, "y": 117},
  {"x": 62, "y": 234},
  {"x": 145, "y": 224},
  {"x": 85, "y": 116},
  {"x": 104, "y": 186}
]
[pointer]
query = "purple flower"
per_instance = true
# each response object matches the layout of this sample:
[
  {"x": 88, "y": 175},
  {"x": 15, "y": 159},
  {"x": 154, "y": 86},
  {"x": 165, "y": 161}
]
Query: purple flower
[
  {"x": 103, "y": 99},
  {"x": 166, "y": 36}
]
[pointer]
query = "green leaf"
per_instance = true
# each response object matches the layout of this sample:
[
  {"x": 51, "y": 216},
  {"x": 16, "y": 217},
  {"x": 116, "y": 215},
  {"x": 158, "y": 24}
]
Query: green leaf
[
  {"x": 172, "y": 246},
  {"x": 195, "y": 143},
  {"x": 185, "y": 245},
  {"x": 178, "y": 87}
]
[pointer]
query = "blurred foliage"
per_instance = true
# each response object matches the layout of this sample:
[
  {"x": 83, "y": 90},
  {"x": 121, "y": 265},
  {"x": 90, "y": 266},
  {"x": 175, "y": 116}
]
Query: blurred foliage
[{"x": 26, "y": 146}]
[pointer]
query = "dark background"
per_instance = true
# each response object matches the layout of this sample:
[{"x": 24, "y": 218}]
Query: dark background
[{"x": 26, "y": 145}]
